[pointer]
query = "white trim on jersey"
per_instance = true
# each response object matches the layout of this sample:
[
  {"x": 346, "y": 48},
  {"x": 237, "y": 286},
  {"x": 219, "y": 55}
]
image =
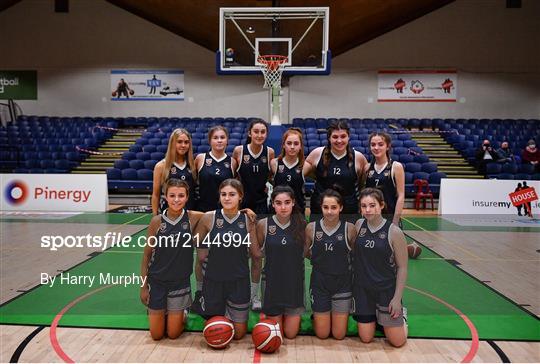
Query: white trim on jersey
[
  {"x": 164, "y": 215},
  {"x": 347, "y": 235},
  {"x": 329, "y": 233},
  {"x": 265, "y": 230},
  {"x": 181, "y": 167},
  {"x": 214, "y": 157},
  {"x": 283, "y": 227},
  {"x": 230, "y": 221}
]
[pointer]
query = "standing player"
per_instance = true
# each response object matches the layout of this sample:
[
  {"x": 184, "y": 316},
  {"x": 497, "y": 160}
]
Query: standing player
[
  {"x": 213, "y": 168},
  {"x": 253, "y": 160},
  {"x": 287, "y": 167},
  {"x": 281, "y": 237},
  {"x": 336, "y": 165},
  {"x": 178, "y": 163},
  {"x": 386, "y": 175},
  {"x": 331, "y": 293},
  {"x": 379, "y": 272},
  {"x": 226, "y": 239},
  {"x": 168, "y": 263}
]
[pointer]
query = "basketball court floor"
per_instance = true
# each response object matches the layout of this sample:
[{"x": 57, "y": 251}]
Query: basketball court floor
[{"x": 472, "y": 296}]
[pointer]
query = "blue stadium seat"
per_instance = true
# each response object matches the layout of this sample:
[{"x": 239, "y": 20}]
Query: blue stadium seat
[
  {"x": 526, "y": 168},
  {"x": 429, "y": 167},
  {"x": 408, "y": 177},
  {"x": 535, "y": 177},
  {"x": 150, "y": 148},
  {"x": 505, "y": 176},
  {"x": 62, "y": 165},
  {"x": 121, "y": 164},
  {"x": 421, "y": 158},
  {"x": 413, "y": 167},
  {"x": 145, "y": 174},
  {"x": 420, "y": 175},
  {"x": 163, "y": 148},
  {"x": 509, "y": 168},
  {"x": 400, "y": 150},
  {"x": 144, "y": 156},
  {"x": 203, "y": 148},
  {"x": 129, "y": 174},
  {"x": 150, "y": 164},
  {"x": 522, "y": 176},
  {"x": 157, "y": 156},
  {"x": 129, "y": 155},
  {"x": 154, "y": 141},
  {"x": 406, "y": 158},
  {"x": 47, "y": 164},
  {"x": 135, "y": 148},
  {"x": 136, "y": 164},
  {"x": 493, "y": 168},
  {"x": 435, "y": 177}
]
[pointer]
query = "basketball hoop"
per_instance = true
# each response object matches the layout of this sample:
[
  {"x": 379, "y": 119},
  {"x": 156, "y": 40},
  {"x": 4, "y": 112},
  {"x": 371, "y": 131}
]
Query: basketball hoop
[{"x": 272, "y": 68}]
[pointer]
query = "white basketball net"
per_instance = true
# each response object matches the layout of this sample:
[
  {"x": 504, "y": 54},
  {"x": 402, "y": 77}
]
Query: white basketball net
[{"x": 272, "y": 69}]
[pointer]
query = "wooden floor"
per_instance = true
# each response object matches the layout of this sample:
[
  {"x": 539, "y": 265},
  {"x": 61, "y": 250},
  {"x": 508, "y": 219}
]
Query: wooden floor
[{"x": 91, "y": 345}]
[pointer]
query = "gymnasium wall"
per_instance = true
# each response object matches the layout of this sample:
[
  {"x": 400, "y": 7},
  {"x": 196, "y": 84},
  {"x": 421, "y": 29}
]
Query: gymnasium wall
[{"x": 494, "y": 49}]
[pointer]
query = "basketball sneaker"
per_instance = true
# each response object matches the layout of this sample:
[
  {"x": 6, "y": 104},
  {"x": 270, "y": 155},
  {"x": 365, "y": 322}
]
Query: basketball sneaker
[
  {"x": 196, "y": 306},
  {"x": 256, "y": 304}
]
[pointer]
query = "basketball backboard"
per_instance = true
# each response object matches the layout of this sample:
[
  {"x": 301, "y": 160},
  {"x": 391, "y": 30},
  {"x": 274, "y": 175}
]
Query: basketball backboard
[{"x": 300, "y": 34}]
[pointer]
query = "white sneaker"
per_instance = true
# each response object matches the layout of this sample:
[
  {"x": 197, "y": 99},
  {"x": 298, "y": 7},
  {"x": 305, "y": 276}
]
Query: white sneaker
[
  {"x": 405, "y": 318},
  {"x": 256, "y": 304}
]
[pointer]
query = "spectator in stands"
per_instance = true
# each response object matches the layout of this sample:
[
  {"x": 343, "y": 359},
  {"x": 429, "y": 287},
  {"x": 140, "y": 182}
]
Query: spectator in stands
[
  {"x": 531, "y": 154},
  {"x": 505, "y": 154},
  {"x": 484, "y": 155}
]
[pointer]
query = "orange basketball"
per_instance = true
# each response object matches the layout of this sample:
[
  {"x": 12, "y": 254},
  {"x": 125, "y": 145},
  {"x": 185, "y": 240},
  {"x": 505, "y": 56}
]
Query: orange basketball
[
  {"x": 131, "y": 92},
  {"x": 414, "y": 250},
  {"x": 266, "y": 336},
  {"x": 114, "y": 94},
  {"x": 218, "y": 332}
]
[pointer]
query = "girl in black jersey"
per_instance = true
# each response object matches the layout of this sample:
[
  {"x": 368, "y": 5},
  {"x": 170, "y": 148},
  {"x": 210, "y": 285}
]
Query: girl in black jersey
[
  {"x": 329, "y": 242},
  {"x": 386, "y": 175},
  {"x": 168, "y": 262},
  {"x": 226, "y": 239},
  {"x": 379, "y": 272},
  {"x": 253, "y": 160},
  {"x": 286, "y": 169},
  {"x": 213, "y": 168},
  {"x": 281, "y": 238},
  {"x": 179, "y": 164},
  {"x": 336, "y": 165}
]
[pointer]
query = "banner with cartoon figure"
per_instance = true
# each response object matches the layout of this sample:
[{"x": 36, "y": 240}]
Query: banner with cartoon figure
[
  {"x": 417, "y": 85},
  {"x": 147, "y": 85}
]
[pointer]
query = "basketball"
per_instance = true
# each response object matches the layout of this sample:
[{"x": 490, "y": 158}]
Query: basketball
[
  {"x": 114, "y": 94},
  {"x": 266, "y": 336},
  {"x": 131, "y": 92},
  {"x": 414, "y": 250},
  {"x": 218, "y": 332}
]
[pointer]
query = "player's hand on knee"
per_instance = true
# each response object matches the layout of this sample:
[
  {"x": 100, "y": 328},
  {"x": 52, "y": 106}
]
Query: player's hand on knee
[
  {"x": 395, "y": 308},
  {"x": 145, "y": 295}
]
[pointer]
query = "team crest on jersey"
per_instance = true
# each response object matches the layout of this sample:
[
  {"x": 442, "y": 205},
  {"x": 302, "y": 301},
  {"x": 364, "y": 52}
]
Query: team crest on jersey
[
  {"x": 382, "y": 235},
  {"x": 370, "y": 174},
  {"x": 227, "y": 165},
  {"x": 208, "y": 162},
  {"x": 298, "y": 170},
  {"x": 246, "y": 159},
  {"x": 241, "y": 224},
  {"x": 173, "y": 170},
  {"x": 272, "y": 229},
  {"x": 386, "y": 173},
  {"x": 219, "y": 223},
  {"x": 362, "y": 232},
  {"x": 185, "y": 226},
  {"x": 339, "y": 237},
  {"x": 281, "y": 168},
  {"x": 264, "y": 160},
  {"x": 162, "y": 227},
  {"x": 318, "y": 235}
]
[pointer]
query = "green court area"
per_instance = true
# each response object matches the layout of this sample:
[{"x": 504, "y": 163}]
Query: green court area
[{"x": 431, "y": 281}]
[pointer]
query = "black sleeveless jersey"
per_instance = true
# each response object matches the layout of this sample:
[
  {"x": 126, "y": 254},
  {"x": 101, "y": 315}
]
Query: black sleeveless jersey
[
  {"x": 384, "y": 182},
  {"x": 227, "y": 260},
  {"x": 211, "y": 174},
  {"x": 374, "y": 263},
  {"x": 339, "y": 173},
  {"x": 330, "y": 252},
  {"x": 254, "y": 172},
  {"x": 292, "y": 177},
  {"x": 284, "y": 265},
  {"x": 183, "y": 174},
  {"x": 172, "y": 257}
]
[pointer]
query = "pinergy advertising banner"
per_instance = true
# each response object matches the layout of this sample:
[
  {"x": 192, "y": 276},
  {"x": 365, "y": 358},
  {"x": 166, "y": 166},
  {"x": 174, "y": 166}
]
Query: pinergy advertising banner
[
  {"x": 417, "y": 86},
  {"x": 54, "y": 192},
  {"x": 147, "y": 85},
  {"x": 18, "y": 85}
]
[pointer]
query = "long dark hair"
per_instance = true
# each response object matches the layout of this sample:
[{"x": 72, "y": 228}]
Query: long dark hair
[
  {"x": 298, "y": 222},
  {"x": 336, "y": 125}
]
